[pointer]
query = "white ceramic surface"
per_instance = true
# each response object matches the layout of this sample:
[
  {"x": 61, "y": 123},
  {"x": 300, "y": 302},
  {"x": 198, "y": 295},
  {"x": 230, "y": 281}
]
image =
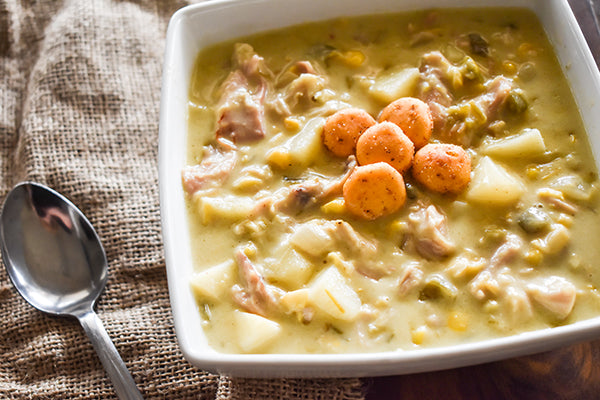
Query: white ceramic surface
[{"x": 195, "y": 27}]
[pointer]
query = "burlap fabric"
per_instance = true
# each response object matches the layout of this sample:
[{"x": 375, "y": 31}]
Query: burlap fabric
[{"x": 79, "y": 100}]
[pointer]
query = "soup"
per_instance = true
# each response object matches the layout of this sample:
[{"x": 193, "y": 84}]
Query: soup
[{"x": 388, "y": 183}]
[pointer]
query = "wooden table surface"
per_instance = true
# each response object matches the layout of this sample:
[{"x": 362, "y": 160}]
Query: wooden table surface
[{"x": 571, "y": 372}]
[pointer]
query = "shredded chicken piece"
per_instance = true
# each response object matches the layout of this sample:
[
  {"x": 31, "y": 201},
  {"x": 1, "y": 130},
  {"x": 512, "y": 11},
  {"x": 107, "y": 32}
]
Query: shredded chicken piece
[
  {"x": 453, "y": 122},
  {"x": 492, "y": 279},
  {"x": 432, "y": 90},
  {"x": 254, "y": 295},
  {"x": 497, "y": 91},
  {"x": 345, "y": 234},
  {"x": 278, "y": 107},
  {"x": 428, "y": 232},
  {"x": 304, "y": 67},
  {"x": 422, "y": 37},
  {"x": 554, "y": 293},
  {"x": 466, "y": 266},
  {"x": 410, "y": 278},
  {"x": 557, "y": 199},
  {"x": 434, "y": 63},
  {"x": 299, "y": 89},
  {"x": 361, "y": 250},
  {"x": 555, "y": 241},
  {"x": 478, "y": 112},
  {"x": 484, "y": 284},
  {"x": 344, "y": 246},
  {"x": 302, "y": 90},
  {"x": 334, "y": 188},
  {"x": 506, "y": 252},
  {"x": 252, "y": 178},
  {"x": 240, "y": 113},
  {"x": 262, "y": 207},
  {"x": 518, "y": 304},
  {"x": 213, "y": 170},
  {"x": 295, "y": 198}
]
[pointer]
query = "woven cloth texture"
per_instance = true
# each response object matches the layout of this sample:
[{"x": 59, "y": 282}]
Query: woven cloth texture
[{"x": 79, "y": 102}]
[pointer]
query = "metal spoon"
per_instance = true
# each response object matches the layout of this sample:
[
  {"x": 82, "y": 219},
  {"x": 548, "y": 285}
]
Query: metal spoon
[{"x": 57, "y": 263}]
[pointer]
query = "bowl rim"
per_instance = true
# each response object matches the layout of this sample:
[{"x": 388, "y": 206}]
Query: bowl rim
[{"x": 193, "y": 344}]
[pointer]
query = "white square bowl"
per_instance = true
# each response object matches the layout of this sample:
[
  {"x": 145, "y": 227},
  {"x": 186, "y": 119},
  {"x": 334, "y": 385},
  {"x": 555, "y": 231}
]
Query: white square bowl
[{"x": 195, "y": 27}]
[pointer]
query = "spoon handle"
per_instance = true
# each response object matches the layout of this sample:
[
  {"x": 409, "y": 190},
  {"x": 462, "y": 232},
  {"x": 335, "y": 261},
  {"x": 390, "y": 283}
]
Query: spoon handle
[{"x": 116, "y": 369}]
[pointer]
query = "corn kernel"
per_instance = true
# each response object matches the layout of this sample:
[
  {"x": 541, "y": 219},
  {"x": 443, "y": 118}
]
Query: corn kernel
[
  {"x": 533, "y": 172},
  {"x": 373, "y": 329},
  {"x": 248, "y": 184},
  {"x": 534, "y": 256},
  {"x": 280, "y": 158},
  {"x": 250, "y": 250},
  {"x": 548, "y": 193},
  {"x": 480, "y": 87},
  {"x": 509, "y": 67},
  {"x": 418, "y": 335},
  {"x": 593, "y": 291},
  {"x": 490, "y": 306},
  {"x": 565, "y": 220},
  {"x": 291, "y": 124},
  {"x": 397, "y": 226},
  {"x": 527, "y": 50},
  {"x": 382, "y": 301},
  {"x": 335, "y": 206},
  {"x": 572, "y": 138},
  {"x": 574, "y": 262},
  {"x": 355, "y": 58},
  {"x": 458, "y": 321},
  {"x": 351, "y": 58}
]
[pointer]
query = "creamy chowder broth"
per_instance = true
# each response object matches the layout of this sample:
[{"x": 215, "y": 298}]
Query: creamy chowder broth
[{"x": 297, "y": 252}]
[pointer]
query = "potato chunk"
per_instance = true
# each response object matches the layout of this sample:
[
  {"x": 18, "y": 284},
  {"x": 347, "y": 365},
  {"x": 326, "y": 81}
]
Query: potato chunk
[
  {"x": 528, "y": 143},
  {"x": 295, "y": 300},
  {"x": 494, "y": 185},
  {"x": 391, "y": 86},
  {"x": 292, "y": 270},
  {"x": 312, "y": 238},
  {"x": 254, "y": 331},
  {"x": 302, "y": 149},
  {"x": 330, "y": 294},
  {"x": 554, "y": 293},
  {"x": 555, "y": 241},
  {"x": 226, "y": 208},
  {"x": 212, "y": 283}
]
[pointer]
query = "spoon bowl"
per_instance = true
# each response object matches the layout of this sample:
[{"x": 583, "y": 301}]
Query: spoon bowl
[
  {"x": 57, "y": 263},
  {"x": 51, "y": 251}
]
